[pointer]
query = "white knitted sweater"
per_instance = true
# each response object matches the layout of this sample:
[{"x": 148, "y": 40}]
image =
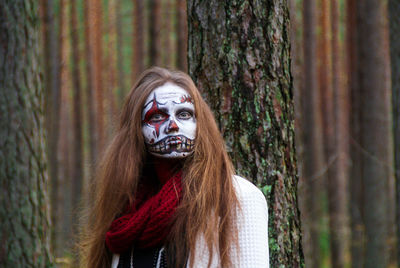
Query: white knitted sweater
[{"x": 252, "y": 226}]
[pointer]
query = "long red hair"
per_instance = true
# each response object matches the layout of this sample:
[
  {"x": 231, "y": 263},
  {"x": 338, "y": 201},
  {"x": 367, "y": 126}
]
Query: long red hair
[{"x": 209, "y": 198}]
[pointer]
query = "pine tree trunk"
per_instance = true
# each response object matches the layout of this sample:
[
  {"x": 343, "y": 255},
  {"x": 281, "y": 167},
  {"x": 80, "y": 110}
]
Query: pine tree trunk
[
  {"x": 356, "y": 183},
  {"x": 338, "y": 185},
  {"x": 64, "y": 214},
  {"x": 25, "y": 230},
  {"x": 77, "y": 142},
  {"x": 52, "y": 96},
  {"x": 166, "y": 27},
  {"x": 394, "y": 15},
  {"x": 90, "y": 102},
  {"x": 181, "y": 30},
  {"x": 313, "y": 161},
  {"x": 239, "y": 58},
  {"x": 155, "y": 35},
  {"x": 372, "y": 98},
  {"x": 111, "y": 72},
  {"x": 96, "y": 48},
  {"x": 120, "y": 61},
  {"x": 138, "y": 39}
]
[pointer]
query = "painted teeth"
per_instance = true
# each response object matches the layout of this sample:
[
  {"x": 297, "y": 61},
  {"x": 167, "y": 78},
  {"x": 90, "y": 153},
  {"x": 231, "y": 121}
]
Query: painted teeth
[{"x": 179, "y": 143}]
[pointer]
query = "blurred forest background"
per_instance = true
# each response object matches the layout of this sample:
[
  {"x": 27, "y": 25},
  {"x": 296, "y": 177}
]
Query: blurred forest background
[{"x": 345, "y": 63}]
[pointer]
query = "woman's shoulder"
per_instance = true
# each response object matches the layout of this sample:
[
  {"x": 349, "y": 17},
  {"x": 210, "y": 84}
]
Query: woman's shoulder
[
  {"x": 251, "y": 199},
  {"x": 245, "y": 188}
]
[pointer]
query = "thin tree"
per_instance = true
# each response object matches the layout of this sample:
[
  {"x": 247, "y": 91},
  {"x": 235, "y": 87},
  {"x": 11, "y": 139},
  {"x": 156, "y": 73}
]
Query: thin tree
[
  {"x": 167, "y": 8},
  {"x": 356, "y": 183},
  {"x": 111, "y": 68},
  {"x": 332, "y": 105},
  {"x": 181, "y": 25},
  {"x": 89, "y": 90},
  {"x": 64, "y": 214},
  {"x": 394, "y": 15},
  {"x": 24, "y": 207},
  {"x": 96, "y": 49},
  {"x": 313, "y": 161},
  {"x": 337, "y": 185},
  {"x": 155, "y": 35},
  {"x": 138, "y": 39},
  {"x": 240, "y": 60},
  {"x": 120, "y": 68},
  {"x": 51, "y": 57},
  {"x": 77, "y": 142},
  {"x": 371, "y": 99}
]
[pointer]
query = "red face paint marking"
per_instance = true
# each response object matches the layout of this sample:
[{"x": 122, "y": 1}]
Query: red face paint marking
[
  {"x": 186, "y": 98},
  {"x": 154, "y": 110}
]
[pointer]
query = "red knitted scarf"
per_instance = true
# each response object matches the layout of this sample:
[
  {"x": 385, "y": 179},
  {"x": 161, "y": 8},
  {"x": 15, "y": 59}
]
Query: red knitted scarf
[{"x": 148, "y": 222}]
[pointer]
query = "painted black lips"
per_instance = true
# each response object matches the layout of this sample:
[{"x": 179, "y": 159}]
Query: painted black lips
[{"x": 172, "y": 144}]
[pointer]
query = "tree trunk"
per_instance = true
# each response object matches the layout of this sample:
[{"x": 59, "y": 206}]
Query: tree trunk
[
  {"x": 332, "y": 110},
  {"x": 52, "y": 96},
  {"x": 155, "y": 36},
  {"x": 111, "y": 73},
  {"x": 96, "y": 48},
  {"x": 338, "y": 189},
  {"x": 239, "y": 58},
  {"x": 313, "y": 168},
  {"x": 120, "y": 61},
  {"x": 90, "y": 94},
  {"x": 181, "y": 31},
  {"x": 167, "y": 10},
  {"x": 138, "y": 39},
  {"x": 356, "y": 183},
  {"x": 25, "y": 230},
  {"x": 65, "y": 154},
  {"x": 394, "y": 14},
  {"x": 77, "y": 169},
  {"x": 372, "y": 98},
  {"x": 65, "y": 171}
]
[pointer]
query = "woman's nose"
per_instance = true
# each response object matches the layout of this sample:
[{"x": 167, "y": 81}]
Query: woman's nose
[{"x": 172, "y": 126}]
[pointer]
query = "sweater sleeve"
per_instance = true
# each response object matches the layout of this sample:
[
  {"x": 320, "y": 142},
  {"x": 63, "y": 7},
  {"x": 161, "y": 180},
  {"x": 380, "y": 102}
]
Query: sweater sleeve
[{"x": 252, "y": 226}]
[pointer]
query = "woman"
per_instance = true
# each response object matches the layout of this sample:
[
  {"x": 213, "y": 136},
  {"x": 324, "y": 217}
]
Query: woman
[{"x": 166, "y": 194}]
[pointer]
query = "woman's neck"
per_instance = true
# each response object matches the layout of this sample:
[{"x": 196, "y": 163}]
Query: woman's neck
[{"x": 166, "y": 168}]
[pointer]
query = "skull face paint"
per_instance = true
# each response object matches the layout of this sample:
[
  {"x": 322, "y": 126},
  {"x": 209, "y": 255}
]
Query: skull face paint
[{"x": 168, "y": 122}]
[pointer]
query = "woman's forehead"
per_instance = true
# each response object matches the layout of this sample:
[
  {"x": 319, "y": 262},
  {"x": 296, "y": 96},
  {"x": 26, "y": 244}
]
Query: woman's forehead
[{"x": 167, "y": 92}]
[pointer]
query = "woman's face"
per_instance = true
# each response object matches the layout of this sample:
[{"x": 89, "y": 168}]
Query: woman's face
[{"x": 168, "y": 122}]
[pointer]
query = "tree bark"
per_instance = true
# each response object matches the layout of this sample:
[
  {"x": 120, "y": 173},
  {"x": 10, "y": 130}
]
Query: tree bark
[
  {"x": 372, "y": 99},
  {"x": 24, "y": 211},
  {"x": 181, "y": 35},
  {"x": 239, "y": 58},
  {"x": 394, "y": 15}
]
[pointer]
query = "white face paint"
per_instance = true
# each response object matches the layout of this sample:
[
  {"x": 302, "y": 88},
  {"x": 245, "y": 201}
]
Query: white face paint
[{"x": 168, "y": 122}]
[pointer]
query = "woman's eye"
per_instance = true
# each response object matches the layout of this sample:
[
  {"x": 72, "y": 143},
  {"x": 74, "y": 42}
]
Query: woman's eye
[
  {"x": 157, "y": 117},
  {"x": 184, "y": 115}
]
